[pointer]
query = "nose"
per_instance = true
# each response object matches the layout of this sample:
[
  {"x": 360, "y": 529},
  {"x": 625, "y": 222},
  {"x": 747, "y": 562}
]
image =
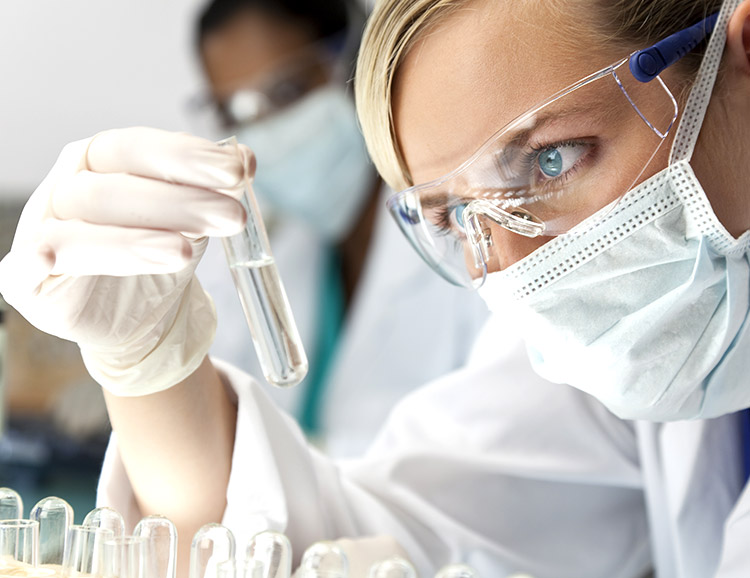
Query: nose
[
  {"x": 500, "y": 248},
  {"x": 513, "y": 247}
]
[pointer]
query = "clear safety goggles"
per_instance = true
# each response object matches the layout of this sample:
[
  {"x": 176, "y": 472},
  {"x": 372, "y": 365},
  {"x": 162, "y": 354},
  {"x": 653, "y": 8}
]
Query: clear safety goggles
[
  {"x": 560, "y": 163},
  {"x": 286, "y": 83}
]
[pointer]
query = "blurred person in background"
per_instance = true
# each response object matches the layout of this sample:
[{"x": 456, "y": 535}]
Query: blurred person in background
[{"x": 277, "y": 73}]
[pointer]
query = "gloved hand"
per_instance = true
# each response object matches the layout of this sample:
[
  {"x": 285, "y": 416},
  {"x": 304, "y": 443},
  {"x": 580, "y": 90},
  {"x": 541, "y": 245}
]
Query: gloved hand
[
  {"x": 362, "y": 553},
  {"x": 106, "y": 247}
]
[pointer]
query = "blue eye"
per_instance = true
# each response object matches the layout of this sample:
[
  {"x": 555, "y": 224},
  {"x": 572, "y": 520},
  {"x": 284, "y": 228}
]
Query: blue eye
[
  {"x": 457, "y": 216},
  {"x": 555, "y": 161},
  {"x": 551, "y": 162}
]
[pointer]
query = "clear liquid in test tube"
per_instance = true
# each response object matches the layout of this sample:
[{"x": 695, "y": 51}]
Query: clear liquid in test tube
[{"x": 272, "y": 327}]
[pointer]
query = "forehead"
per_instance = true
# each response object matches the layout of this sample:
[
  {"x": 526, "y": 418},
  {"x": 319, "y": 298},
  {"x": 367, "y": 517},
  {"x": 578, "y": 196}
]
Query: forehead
[
  {"x": 477, "y": 69},
  {"x": 249, "y": 45}
]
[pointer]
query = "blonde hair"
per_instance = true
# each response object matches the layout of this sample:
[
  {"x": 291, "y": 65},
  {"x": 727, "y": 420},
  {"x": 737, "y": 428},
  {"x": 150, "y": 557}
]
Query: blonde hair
[
  {"x": 391, "y": 29},
  {"x": 395, "y": 25}
]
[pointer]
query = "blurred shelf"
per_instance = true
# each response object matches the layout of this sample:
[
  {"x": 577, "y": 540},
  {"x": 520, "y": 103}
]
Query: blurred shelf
[{"x": 38, "y": 461}]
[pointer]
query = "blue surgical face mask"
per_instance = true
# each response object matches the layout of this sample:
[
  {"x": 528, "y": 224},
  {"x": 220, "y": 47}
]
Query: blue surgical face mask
[
  {"x": 648, "y": 307},
  {"x": 312, "y": 161}
]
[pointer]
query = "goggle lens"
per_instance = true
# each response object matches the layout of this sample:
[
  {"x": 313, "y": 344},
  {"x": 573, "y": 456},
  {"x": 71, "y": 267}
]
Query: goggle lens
[{"x": 543, "y": 174}]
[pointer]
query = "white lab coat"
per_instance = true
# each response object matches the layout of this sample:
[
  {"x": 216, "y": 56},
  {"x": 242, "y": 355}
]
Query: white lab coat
[
  {"x": 405, "y": 327},
  {"x": 497, "y": 468}
]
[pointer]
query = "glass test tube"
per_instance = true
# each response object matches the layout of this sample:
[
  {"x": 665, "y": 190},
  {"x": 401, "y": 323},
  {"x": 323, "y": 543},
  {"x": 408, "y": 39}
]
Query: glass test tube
[
  {"x": 324, "y": 560},
  {"x": 264, "y": 301},
  {"x": 11, "y": 504},
  {"x": 211, "y": 545},
  {"x": 240, "y": 569},
  {"x": 162, "y": 536},
  {"x": 105, "y": 517},
  {"x": 395, "y": 567},
  {"x": 85, "y": 552},
  {"x": 19, "y": 544},
  {"x": 274, "y": 551},
  {"x": 55, "y": 516},
  {"x": 458, "y": 571},
  {"x": 128, "y": 557}
]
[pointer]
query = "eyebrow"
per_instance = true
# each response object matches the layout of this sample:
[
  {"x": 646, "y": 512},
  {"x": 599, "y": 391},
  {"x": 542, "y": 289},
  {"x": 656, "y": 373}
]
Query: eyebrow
[
  {"x": 436, "y": 201},
  {"x": 595, "y": 110}
]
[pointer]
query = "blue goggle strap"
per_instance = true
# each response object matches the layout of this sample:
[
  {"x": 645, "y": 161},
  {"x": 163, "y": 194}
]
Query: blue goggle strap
[{"x": 647, "y": 64}]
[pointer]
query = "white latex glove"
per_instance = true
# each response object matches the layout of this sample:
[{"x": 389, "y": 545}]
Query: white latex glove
[
  {"x": 105, "y": 250},
  {"x": 362, "y": 553}
]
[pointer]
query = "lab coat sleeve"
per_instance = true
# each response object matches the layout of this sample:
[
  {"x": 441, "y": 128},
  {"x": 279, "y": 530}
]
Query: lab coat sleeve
[
  {"x": 280, "y": 482},
  {"x": 490, "y": 466}
]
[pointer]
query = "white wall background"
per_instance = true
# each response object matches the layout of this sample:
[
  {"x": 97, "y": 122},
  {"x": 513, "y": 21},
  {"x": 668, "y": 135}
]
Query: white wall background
[{"x": 70, "y": 68}]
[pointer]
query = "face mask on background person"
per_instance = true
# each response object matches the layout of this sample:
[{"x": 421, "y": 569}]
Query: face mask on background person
[
  {"x": 312, "y": 161},
  {"x": 647, "y": 308}
]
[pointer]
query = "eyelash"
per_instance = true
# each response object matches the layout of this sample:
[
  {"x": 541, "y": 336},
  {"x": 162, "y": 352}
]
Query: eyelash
[
  {"x": 530, "y": 157},
  {"x": 444, "y": 220},
  {"x": 529, "y": 163}
]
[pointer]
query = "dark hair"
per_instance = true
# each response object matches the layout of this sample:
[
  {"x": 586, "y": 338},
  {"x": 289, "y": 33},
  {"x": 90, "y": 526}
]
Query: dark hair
[{"x": 325, "y": 18}]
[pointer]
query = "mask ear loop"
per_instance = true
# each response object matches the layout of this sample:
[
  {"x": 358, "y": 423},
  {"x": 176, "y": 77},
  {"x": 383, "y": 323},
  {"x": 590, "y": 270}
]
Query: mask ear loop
[{"x": 695, "y": 109}]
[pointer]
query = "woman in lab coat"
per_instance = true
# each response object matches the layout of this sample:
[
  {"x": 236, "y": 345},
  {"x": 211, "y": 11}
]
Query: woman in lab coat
[
  {"x": 490, "y": 465},
  {"x": 278, "y": 72}
]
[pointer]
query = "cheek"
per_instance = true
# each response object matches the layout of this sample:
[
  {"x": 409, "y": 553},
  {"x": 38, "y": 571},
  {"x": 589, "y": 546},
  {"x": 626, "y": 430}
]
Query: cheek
[
  {"x": 722, "y": 164},
  {"x": 725, "y": 186},
  {"x": 658, "y": 163}
]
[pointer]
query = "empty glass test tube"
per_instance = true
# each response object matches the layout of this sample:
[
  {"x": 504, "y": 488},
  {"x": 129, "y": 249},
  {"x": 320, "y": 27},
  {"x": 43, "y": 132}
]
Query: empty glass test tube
[
  {"x": 395, "y": 567},
  {"x": 324, "y": 559},
  {"x": 461, "y": 571},
  {"x": 19, "y": 545},
  {"x": 264, "y": 301},
  {"x": 273, "y": 551},
  {"x": 55, "y": 516},
  {"x": 11, "y": 504}
]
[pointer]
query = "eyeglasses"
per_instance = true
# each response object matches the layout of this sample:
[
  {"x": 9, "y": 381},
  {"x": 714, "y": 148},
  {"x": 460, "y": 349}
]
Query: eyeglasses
[
  {"x": 289, "y": 81},
  {"x": 549, "y": 170}
]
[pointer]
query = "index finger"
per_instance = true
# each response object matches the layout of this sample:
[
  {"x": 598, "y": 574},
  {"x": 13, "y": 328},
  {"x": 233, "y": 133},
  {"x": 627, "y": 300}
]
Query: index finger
[{"x": 167, "y": 156}]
